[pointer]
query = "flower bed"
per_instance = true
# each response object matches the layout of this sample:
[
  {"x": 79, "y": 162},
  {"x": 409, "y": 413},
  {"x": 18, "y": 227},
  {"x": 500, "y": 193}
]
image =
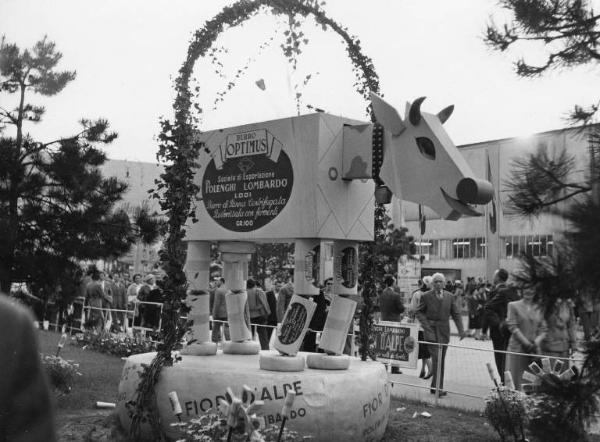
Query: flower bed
[{"x": 117, "y": 344}]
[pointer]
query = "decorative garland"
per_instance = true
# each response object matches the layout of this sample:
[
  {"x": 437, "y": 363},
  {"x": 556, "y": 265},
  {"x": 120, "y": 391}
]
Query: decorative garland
[{"x": 176, "y": 189}]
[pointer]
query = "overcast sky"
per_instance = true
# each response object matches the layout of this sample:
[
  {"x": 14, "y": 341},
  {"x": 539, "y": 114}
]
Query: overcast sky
[{"x": 127, "y": 54}]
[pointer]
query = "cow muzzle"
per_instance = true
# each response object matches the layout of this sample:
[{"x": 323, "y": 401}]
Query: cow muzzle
[{"x": 474, "y": 191}]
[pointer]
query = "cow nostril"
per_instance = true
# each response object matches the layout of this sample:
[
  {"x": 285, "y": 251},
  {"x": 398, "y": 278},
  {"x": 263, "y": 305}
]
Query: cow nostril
[{"x": 474, "y": 191}]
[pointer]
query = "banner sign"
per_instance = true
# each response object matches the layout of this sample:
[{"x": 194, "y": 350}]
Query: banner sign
[
  {"x": 248, "y": 182},
  {"x": 396, "y": 341}
]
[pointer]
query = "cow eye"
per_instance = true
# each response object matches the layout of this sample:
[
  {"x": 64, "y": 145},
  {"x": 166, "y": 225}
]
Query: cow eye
[{"x": 426, "y": 147}]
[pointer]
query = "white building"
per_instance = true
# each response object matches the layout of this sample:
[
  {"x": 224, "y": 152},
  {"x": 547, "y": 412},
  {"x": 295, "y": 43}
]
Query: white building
[
  {"x": 140, "y": 178},
  {"x": 468, "y": 247}
]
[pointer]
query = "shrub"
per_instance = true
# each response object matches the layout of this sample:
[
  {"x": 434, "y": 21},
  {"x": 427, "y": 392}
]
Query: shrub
[
  {"x": 506, "y": 410},
  {"x": 60, "y": 372}
]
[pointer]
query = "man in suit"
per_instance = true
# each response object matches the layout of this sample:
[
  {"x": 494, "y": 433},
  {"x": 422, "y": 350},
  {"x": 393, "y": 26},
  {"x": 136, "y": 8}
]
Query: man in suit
[
  {"x": 119, "y": 301},
  {"x": 26, "y": 413},
  {"x": 284, "y": 298},
  {"x": 494, "y": 314},
  {"x": 391, "y": 305},
  {"x": 434, "y": 312},
  {"x": 219, "y": 312}
]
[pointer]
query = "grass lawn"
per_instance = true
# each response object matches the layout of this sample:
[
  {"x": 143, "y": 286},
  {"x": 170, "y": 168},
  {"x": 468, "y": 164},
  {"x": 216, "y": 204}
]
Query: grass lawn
[
  {"x": 99, "y": 378},
  {"x": 78, "y": 419}
]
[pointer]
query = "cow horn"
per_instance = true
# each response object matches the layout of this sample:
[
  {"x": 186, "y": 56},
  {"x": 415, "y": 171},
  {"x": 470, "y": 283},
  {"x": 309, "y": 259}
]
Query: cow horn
[
  {"x": 445, "y": 113},
  {"x": 414, "y": 115}
]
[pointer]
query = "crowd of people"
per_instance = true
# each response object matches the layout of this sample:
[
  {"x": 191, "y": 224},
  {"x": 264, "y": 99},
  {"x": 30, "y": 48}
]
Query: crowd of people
[
  {"x": 520, "y": 330},
  {"x": 266, "y": 309},
  {"x": 120, "y": 300},
  {"x": 511, "y": 317}
]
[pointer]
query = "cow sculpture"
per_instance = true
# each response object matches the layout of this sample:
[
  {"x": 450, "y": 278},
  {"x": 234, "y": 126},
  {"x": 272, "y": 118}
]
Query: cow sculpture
[{"x": 421, "y": 163}]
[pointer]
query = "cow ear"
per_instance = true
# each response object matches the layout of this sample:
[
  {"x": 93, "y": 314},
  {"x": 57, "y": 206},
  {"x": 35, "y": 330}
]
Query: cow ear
[
  {"x": 445, "y": 113},
  {"x": 387, "y": 115}
]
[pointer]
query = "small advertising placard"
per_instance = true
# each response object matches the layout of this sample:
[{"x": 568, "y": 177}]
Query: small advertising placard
[
  {"x": 307, "y": 260},
  {"x": 398, "y": 342},
  {"x": 345, "y": 267}
]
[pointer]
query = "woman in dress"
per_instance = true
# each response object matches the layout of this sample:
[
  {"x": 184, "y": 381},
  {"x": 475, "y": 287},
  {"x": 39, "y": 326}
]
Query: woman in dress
[
  {"x": 527, "y": 326},
  {"x": 560, "y": 338},
  {"x": 424, "y": 354}
]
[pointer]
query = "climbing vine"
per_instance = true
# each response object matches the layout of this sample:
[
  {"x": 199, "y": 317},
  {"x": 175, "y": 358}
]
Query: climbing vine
[{"x": 176, "y": 190}]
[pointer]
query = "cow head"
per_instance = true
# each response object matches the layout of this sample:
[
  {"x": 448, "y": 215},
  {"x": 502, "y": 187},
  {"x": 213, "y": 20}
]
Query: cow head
[{"x": 421, "y": 163}]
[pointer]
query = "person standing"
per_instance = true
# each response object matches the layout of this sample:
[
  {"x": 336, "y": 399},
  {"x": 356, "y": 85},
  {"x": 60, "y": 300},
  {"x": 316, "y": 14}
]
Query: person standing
[
  {"x": 26, "y": 408},
  {"x": 284, "y": 298},
  {"x": 391, "y": 306},
  {"x": 272, "y": 300},
  {"x": 107, "y": 301},
  {"x": 94, "y": 296},
  {"x": 560, "y": 338},
  {"x": 143, "y": 296},
  {"x": 259, "y": 312},
  {"x": 319, "y": 317},
  {"x": 132, "y": 304},
  {"x": 589, "y": 312},
  {"x": 526, "y": 323},
  {"x": 434, "y": 312},
  {"x": 134, "y": 288},
  {"x": 424, "y": 355},
  {"x": 119, "y": 301},
  {"x": 494, "y": 313},
  {"x": 219, "y": 312}
]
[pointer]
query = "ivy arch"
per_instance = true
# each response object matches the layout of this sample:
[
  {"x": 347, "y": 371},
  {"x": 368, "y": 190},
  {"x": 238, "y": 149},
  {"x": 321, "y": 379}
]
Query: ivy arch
[{"x": 176, "y": 189}]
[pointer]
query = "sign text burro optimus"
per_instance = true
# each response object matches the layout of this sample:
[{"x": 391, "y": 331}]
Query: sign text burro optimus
[{"x": 248, "y": 182}]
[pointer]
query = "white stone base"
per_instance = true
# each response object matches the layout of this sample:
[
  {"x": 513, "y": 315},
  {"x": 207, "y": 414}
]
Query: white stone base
[
  {"x": 241, "y": 348},
  {"x": 331, "y": 405},
  {"x": 322, "y": 361},
  {"x": 200, "y": 349},
  {"x": 273, "y": 361}
]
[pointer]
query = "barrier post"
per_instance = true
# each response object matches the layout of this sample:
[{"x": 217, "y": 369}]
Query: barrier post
[{"x": 438, "y": 373}]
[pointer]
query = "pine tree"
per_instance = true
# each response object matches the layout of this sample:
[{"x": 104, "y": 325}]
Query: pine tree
[
  {"x": 539, "y": 183},
  {"x": 56, "y": 208}
]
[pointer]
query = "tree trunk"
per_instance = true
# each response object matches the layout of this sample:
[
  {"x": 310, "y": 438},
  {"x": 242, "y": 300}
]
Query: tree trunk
[{"x": 5, "y": 277}]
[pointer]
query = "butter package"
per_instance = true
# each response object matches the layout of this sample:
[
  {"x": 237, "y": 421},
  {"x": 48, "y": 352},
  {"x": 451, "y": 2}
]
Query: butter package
[
  {"x": 335, "y": 331},
  {"x": 294, "y": 325},
  {"x": 238, "y": 316}
]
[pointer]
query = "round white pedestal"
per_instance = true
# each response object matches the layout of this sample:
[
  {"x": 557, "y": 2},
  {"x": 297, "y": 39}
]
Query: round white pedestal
[
  {"x": 325, "y": 408},
  {"x": 241, "y": 348},
  {"x": 322, "y": 361},
  {"x": 274, "y": 361},
  {"x": 200, "y": 349}
]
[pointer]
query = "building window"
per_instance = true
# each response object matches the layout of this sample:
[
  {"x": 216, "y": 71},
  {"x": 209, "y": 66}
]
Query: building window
[
  {"x": 535, "y": 245},
  {"x": 481, "y": 250},
  {"x": 468, "y": 248}
]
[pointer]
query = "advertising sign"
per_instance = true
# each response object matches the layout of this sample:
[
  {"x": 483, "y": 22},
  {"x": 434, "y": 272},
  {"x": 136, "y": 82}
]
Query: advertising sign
[
  {"x": 294, "y": 325},
  {"x": 248, "y": 182},
  {"x": 396, "y": 341},
  {"x": 345, "y": 267},
  {"x": 278, "y": 180},
  {"x": 307, "y": 260}
]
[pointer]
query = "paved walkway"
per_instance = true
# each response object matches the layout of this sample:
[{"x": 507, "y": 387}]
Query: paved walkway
[{"x": 466, "y": 377}]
